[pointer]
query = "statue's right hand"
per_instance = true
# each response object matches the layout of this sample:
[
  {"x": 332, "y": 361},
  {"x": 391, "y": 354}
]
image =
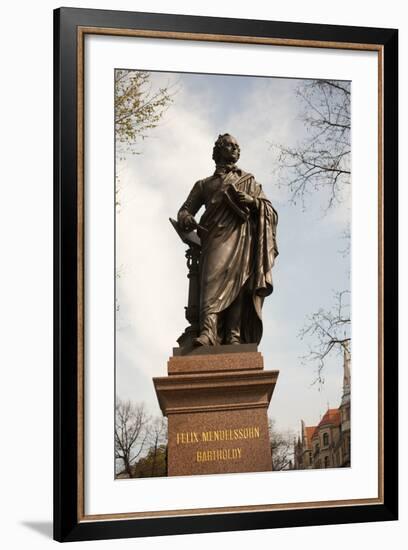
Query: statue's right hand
[{"x": 188, "y": 223}]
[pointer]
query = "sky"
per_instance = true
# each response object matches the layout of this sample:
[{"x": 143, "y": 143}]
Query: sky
[{"x": 151, "y": 286}]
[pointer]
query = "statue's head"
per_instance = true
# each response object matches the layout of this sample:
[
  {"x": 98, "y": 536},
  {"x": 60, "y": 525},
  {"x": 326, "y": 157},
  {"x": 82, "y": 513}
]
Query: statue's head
[{"x": 226, "y": 149}]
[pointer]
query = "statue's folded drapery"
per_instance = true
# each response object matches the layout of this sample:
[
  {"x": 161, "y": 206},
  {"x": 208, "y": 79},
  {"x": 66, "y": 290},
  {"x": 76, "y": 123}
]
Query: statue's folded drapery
[{"x": 238, "y": 252}]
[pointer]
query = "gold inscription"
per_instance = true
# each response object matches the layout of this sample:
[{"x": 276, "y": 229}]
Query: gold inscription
[
  {"x": 251, "y": 432},
  {"x": 248, "y": 432},
  {"x": 217, "y": 455},
  {"x": 187, "y": 437}
]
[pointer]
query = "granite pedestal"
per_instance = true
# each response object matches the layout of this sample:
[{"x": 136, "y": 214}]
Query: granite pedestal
[{"x": 216, "y": 400}]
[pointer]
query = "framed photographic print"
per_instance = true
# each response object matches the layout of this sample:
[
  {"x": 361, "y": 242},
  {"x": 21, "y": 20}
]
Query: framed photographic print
[{"x": 225, "y": 274}]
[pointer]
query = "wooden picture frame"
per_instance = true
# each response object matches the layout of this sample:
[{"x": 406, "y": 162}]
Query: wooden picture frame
[{"x": 71, "y": 26}]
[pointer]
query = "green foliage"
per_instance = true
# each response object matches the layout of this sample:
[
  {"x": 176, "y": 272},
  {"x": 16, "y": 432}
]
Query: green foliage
[
  {"x": 154, "y": 464},
  {"x": 138, "y": 108}
]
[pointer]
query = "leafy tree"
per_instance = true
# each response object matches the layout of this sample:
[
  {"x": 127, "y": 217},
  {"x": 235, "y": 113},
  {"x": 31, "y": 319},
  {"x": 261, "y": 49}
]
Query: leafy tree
[
  {"x": 154, "y": 464},
  {"x": 138, "y": 107}
]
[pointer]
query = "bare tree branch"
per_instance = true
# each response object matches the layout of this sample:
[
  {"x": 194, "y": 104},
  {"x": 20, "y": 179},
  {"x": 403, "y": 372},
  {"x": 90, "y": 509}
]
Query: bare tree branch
[
  {"x": 157, "y": 438},
  {"x": 131, "y": 432},
  {"x": 281, "y": 447},
  {"x": 322, "y": 160},
  {"x": 328, "y": 331}
]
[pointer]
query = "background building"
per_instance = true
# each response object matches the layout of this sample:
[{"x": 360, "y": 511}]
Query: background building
[{"x": 327, "y": 445}]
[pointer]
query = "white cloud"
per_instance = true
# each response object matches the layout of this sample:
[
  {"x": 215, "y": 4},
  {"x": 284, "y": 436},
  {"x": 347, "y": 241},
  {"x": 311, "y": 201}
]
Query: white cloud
[
  {"x": 267, "y": 116},
  {"x": 152, "y": 288}
]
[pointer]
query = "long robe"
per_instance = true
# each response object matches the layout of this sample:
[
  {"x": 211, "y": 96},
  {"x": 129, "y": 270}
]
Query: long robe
[{"x": 236, "y": 253}]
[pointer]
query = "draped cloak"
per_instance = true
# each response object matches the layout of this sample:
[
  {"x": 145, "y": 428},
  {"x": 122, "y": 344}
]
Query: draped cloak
[{"x": 236, "y": 253}]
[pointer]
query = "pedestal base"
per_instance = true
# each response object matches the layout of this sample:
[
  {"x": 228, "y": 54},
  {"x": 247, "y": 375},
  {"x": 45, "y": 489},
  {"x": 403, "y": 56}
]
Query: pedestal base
[{"x": 216, "y": 406}]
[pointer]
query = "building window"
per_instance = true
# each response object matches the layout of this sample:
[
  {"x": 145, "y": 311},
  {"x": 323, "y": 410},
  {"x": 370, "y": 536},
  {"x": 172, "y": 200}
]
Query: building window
[{"x": 325, "y": 439}]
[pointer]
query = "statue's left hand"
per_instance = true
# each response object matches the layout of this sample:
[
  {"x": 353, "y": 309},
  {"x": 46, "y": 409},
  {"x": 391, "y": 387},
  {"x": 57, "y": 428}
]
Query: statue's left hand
[
  {"x": 244, "y": 198},
  {"x": 187, "y": 222}
]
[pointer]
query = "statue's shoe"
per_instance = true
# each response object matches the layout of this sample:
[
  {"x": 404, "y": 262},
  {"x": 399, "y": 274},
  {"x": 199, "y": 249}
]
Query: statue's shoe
[
  {"x": 232, "y": 340},
  {"x": 202, "y": 340}
]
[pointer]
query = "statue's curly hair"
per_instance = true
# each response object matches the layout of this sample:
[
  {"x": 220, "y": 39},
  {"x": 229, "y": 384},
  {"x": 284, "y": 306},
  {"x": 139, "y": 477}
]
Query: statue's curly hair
[{"x": 218, "y": 146}]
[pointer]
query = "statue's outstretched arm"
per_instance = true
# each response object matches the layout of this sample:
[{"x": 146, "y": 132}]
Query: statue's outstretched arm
[{"x": 190, "y": 207}]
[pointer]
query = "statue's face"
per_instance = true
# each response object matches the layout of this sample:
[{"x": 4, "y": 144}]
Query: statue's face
[{"x": 230, "y": 149}]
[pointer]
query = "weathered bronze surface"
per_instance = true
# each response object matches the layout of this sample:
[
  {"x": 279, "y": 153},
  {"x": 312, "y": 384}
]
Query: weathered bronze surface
[{"x": 231, "y": 253}]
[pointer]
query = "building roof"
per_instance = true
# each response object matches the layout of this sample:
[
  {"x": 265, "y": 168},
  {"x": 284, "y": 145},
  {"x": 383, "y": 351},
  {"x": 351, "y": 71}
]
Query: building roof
[
  {"x": 309, "y": 430},
  {"x": 332, "y": 416}
]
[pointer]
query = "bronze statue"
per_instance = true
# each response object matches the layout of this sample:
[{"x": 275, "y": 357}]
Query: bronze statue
[{"x": 231, "y": 255}]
